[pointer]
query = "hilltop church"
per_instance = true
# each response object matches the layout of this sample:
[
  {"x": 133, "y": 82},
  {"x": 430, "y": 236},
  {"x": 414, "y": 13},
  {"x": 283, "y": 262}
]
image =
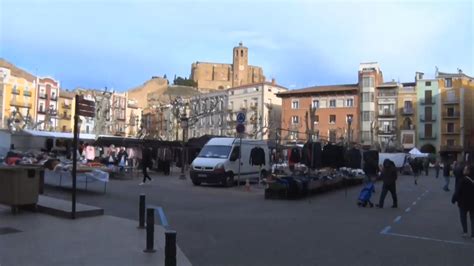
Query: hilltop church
[{"x": 217, "y": 76}]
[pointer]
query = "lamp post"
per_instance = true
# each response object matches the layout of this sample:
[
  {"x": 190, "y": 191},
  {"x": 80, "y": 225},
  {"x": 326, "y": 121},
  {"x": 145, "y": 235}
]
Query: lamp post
[
  {"x": 184, "y": 125},
  {"x": 349, "y": 133}
]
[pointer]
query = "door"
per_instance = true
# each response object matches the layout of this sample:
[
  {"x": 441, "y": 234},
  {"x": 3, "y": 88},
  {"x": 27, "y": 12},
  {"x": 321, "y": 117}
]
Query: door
[
  {"x": 428, "y": 130},
  {"x": 428, "y": 113}
]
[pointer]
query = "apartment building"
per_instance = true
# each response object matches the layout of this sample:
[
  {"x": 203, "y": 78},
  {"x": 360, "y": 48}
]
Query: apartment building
[
  {"x": 66, "y": 105},
  {"x": 387, "y": 125},
  {"x": 209, "y": 113},
  {"x": 370, "y": 76},
  {"x": 261, "y": 105},
  {"x": 429, "y": 108},
  {"x": 406, "y": 115},
  {"x": 457, "y": 114},
  {"x": 47, "y": 102},
  {"x": 327, "y": 113}
]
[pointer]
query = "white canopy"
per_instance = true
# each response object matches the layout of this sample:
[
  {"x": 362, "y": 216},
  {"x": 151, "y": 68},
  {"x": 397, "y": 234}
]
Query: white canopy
[
  {"x": 58, "y": 135},
  {"x": 415, "y": 153}
]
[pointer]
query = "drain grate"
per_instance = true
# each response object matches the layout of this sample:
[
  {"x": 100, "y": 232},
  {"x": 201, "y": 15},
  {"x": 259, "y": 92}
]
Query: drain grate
[{"x": 8, "y": 230}]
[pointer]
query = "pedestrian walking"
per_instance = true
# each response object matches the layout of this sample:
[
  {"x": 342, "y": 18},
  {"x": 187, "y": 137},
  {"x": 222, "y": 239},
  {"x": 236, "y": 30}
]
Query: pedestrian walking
[
  {"x": 146, "y": 162},
  {"x": 437, "y": 167},
  {"x": 415, "y": 167},
  {"x": 446, "y": 175},
  {"x": 426, "y": 166},
  {"x": 122, "y": 158},
  {"x": 389, "y": 178},
  {"x": 464, "y": 196}
]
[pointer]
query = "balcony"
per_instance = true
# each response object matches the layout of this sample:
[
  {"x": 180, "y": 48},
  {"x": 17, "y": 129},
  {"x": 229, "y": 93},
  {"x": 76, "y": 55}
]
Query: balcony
[
  {"x": 425, "y": 118},
  {"x": 42, "y": 111},
  {"x": 387, "y": 113},
  {"x": 451, "y": 101},
  {"x": 455, "y": 131},
  {"x": 253, "y": 106},
  {"x": 27, "y": 93},
  {"x": 66, "y": 106},
  {"x": 427, "y": 137},
  {"x": 408, "y": 111},
  {"x": 386, "y": 132},
  {"x": 452, "y": 115},
  {"x": 17, "y": 103},
  {"x": 243, "y": 107},
  {"x": 66, "y": 117},
  {"x": 16, "y": 91},
  {"x": 54, "y": 98},
  {"x": 43, "y": 96},
  {"x": 451, "y": 148},
  {"x": 428, "y": 101}
]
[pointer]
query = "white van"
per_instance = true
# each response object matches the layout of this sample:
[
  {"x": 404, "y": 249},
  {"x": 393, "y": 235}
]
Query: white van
[{"x": 218, "y": 161}]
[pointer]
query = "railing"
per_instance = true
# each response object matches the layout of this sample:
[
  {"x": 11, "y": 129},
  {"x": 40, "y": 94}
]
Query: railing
[
  {"x": 425, "y": 118},
  {"x": 455, "y": 131},
  {"x": 26, "y": 93},
  {"x": 387, "y": 113},
  {"x": 66, "y": 106},
  {"x": 451, "y": 148},
  {"x": 16, "y": 91},
  {"x": 43, "y": 96},
  {"x": 427, "y": 137},
  {"x": 407, "y": 111},
  {"x": 451, "y": 115},
  {"x": 451, "y": 101},
  {"x": 41, "y": 111},
  {"x": 54, "y": 98},
  {"x": 428, "y": 101},
  {"x": 386, "y": 132},
  {"x": 386, "y": 94},
  {"x": 20, "y": 104},
  {"x": 66, "y": 116}
]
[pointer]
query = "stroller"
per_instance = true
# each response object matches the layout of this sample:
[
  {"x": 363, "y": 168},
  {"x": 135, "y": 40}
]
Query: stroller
[{"x": 366, "y": 194}]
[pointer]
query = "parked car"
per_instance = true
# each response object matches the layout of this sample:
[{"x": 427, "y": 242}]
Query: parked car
[{"x": 218, "y": 161}]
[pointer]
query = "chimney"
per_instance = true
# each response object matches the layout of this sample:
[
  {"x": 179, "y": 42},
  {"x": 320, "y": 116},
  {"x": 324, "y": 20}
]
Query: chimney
[
  {"x": 419, "y": 75},
  {"x": 273, "y": 81}
]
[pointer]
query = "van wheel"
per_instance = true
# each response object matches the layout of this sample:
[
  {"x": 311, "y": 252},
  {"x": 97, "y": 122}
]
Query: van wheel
[
  {"x": 229, "y": 180},
  {"x": 196, "y": 183}
]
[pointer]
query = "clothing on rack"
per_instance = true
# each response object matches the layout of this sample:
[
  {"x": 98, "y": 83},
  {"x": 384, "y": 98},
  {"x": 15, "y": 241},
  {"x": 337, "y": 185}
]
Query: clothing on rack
[
  {"x": 257, "y": 156},
  {"x": 371, "y": 162},
  {"x": 294, "y": 155}
]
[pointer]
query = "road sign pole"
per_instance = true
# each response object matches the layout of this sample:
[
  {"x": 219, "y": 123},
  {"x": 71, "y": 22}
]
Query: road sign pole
[
  {"x": 74, "y": 160},
  {"x": 240, "y": 157}
]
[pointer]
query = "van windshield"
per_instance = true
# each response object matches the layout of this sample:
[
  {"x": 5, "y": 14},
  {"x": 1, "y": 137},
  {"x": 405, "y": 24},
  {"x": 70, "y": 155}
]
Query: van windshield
[{"x": 215, "y": 152}]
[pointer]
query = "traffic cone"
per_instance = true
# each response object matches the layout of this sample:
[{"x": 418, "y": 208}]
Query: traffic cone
[{"x": 247, "y": 185}]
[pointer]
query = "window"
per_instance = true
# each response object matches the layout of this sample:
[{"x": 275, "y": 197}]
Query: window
[
  {"x": 295, "y": 104},
  {"x": 332, "y": 119},
  {"x": 367, "y": 82},
  {"x": 295, "y": 119},
  {"x": 316, "y": 119},
  {"x": 366, "y": 135},
  {"x": 451, "y": 96},
  {"x": 332, "y": 135},
  {"x": 241, "y": 53},
  {"x": 367, "y": 116},
  {"x": 349, "y": 102},
  {"x": 450, "y": 111},
  {"x": 428, "y": 83},
  {"x": 315, "y": 104},
  {"x": 448, "y": 82},
  {"x": 450, "y": 127},
  {"x": 408, "y": 105},
  {"x": 269, "y": 90},
  {"x": 450, "y": 142},
  {"x": 367, "y": 97},
  {"x": 293, "y": 134},
  {"x": 332, "y": 103}
]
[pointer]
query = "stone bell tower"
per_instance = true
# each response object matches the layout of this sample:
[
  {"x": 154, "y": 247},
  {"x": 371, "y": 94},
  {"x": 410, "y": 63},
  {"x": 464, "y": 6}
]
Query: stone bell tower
[{"x": 240, "y": 65}]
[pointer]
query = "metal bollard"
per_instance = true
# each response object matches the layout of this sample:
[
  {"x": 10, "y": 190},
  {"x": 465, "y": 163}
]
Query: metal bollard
[
  {"x": 141, "y": 212},
  {"x": 150, "y": 230},
  {"x": 170, "y": 248}
]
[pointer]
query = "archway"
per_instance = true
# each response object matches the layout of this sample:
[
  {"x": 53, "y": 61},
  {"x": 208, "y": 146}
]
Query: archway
[{"x": 428, "y": 148}]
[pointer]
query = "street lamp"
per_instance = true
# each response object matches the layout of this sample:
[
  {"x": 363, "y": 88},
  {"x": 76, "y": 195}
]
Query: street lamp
[
  {"x": 349, "y": 123},
  {"x": 184, "y": 125}
]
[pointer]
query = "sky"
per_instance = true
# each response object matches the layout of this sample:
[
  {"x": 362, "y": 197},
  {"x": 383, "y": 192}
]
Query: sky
[{"x": 122, "y": 43}]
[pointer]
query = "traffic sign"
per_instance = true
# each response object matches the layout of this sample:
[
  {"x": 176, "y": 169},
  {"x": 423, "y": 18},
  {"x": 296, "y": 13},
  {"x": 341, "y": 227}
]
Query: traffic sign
[
  {"x": 240, "y": 117},
  {"x": 240, "y": 128},
  {"x": 85, "y": 107}
]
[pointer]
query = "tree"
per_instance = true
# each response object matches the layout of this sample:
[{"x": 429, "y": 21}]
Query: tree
[{"x": 184, "y": 82}]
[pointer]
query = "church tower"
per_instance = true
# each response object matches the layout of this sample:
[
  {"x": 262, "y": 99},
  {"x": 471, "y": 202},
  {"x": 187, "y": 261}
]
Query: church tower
[{"x": 240, "y": 65}]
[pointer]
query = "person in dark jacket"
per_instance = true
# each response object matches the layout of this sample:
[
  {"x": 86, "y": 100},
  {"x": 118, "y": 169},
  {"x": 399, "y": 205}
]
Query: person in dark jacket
[
  {"x": 426, "y": 166},
  {"x": 464, "y": 196},
  {"x": 389, "y": 178},
  {"x": 416, "y": 169},
  {"x": 437, "y": 167},
  {"x": 446, "y": 174},
  {"x": 458, "y": 172},
  {"x": 146, "y": 162}
]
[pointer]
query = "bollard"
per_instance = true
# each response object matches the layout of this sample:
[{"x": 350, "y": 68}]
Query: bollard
[
  {"x": 170, "y": 248},
  {"x": 150, "y": 230},
  {"x": 141, "y": 212}
]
